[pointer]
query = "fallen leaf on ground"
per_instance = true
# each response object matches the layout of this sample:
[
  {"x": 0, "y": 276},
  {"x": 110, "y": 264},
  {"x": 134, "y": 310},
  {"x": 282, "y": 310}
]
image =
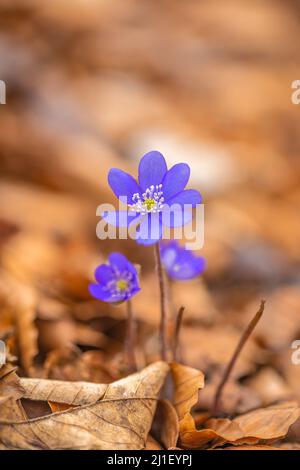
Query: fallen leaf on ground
[
  {"x": 10, "y": 386},
  {"x": 289, "y": 446},
  {"x": 245, "y": 447},
  {"x": 165, "y": 425},
  {"x": 272, "y": 422},
  {"x": 193, "y": 438},
  {"x": 119, "y": 417},
  {"x": 22, "y": 300},
  {"x": 152, "y": 444},
  {"x": 263, "y": 424},
  {"x": 187, "y": 383},
  {"x": 59, "y": 391}
]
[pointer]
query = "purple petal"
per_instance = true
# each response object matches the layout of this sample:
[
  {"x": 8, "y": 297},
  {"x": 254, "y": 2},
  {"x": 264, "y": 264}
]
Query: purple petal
[
  {"x": 99, "y": 293},
  {"x": 189, "y": 197},
  {"x": 133, "y": 292},
  {"x": 152, "y": 169},
  {"x": 104, "y": 274},
  {"x": 175, "y": 180},
  {"x": 123, "y": 184},
  {"x": 120, "y": 218},
  {"x": 177, "y": 217},
  {"x": 118, "y": 261},
  {"x": 168, "y": 254},
  {"x": 116, "y": 299},
  {"x": 150, "y": 229},
  {"x": 131, "y": 268},
  {"x": 187, "y": 266}
]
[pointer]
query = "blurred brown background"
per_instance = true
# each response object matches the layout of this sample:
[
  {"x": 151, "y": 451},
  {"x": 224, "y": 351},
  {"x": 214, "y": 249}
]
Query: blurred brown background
[{"x": 95, "y": 84}]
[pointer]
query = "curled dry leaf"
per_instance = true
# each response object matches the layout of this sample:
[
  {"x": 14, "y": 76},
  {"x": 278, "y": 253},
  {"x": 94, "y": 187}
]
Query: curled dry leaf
[
  {"x": 56, "y": 407},
  {"x": 263, "y": 424},
  {"x": 193, "y": 438},
  {"x": 187, "y": 383},
  {"x": 26, "y": 331},
  {"x": 22, "y": 300},
  {"x": 10, "y": 386},
  {"x": 65, "y": 393},
  {"x": 152, "y": 444},
  {"x": 272, "y": 422},
  {"x": 115, "y": 416},
  {"x": 165, "y": 425},
  {"x": 289, "y": 446},
  {"x": 245, "y": 447}
]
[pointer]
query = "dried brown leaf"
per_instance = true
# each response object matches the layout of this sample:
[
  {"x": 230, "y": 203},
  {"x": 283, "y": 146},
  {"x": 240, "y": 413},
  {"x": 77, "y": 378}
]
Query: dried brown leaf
[
  {"x": 187, "y": 383},
  {"x": 10, "y": 387},
  {"x": 272, "y": 422},
  {"x": 263, "y": 424},
  {"x": 59, "y": 391},
  {"x": 23, "y": 305},
  {"x": 56, "y": 407},
  {"x": 257, "y": 447},
  {"x": 192, "y": 438},
  {"x": 120, "y": 419},
  {"x": 165, "y": 425},
  {"x": 152, "y": 444}
]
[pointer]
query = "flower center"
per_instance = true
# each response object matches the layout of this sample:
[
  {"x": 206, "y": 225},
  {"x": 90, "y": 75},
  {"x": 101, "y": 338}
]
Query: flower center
[
  {"x": 149, "y": 204},
  {"x": 122, "y": 285},
  {"x": 151, "y": 200}
]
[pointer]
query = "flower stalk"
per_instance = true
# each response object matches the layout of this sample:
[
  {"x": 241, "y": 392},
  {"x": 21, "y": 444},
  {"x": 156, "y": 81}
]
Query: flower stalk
[
  {"x": 177, "y": 333},
  {"x": 130, "y": 339},
  {"x": 163, "y": 313}
]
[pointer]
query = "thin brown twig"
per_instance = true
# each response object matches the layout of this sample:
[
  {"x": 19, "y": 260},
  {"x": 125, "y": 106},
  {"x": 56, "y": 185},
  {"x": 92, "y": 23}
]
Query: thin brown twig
[
  {"x": 162, "y": 290},
  {"x": 130, "y": 339},
  {"x": 241, "y": 344},
  {"x": 177, "y": 332}
]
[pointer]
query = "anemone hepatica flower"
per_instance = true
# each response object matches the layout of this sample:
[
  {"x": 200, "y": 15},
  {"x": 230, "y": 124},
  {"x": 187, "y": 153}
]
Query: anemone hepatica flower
[
  {"x": 180, "y": 263},
  {"x": 157, "y": 199},
  {"x": 117, "y": 281}
]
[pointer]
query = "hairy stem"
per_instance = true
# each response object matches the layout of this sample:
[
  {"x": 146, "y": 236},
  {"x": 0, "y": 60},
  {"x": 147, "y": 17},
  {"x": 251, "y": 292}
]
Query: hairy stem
[
  {"x": 130, "y": 339},
  {"x": 163, "y": 315},
  {"x": 177, "y": 332},
  {"x": 241, "y": 344},
  {"x": 170, "y": 285}
]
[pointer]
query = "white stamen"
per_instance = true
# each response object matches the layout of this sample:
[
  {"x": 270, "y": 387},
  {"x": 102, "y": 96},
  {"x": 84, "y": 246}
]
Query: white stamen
[{"x": 151, "y": 200}]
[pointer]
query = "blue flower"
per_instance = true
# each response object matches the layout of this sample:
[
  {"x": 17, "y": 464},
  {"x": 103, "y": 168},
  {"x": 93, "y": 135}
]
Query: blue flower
[
  {"x": 181, "y": 264},
  {"x": 158, "y": 198},
  {"x": 117, "y": 281}
]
